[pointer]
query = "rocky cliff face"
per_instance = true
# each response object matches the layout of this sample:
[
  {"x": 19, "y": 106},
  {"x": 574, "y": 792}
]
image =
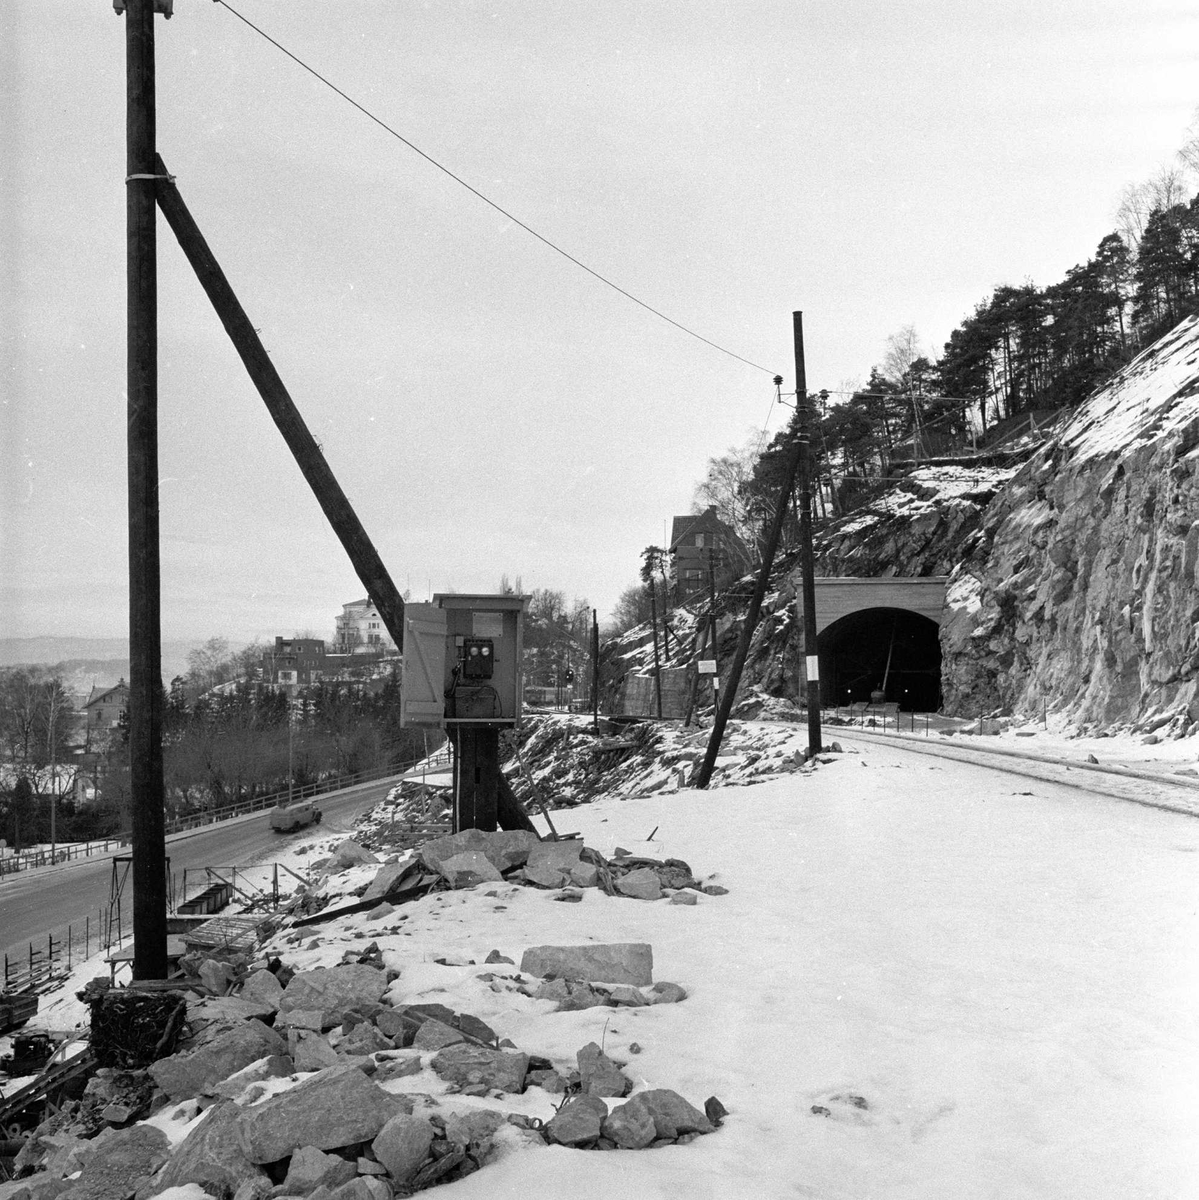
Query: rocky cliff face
[
  {"x": 917, "y": 527},
  {"x": 1080, "y": 592}
]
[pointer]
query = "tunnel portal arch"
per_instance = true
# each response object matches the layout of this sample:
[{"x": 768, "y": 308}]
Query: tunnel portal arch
[{"x": 893, "y": 650}]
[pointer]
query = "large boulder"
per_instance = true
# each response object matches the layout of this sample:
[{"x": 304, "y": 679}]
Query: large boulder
[
  {"x": 672, "y": 1115},
  {"x": 348, "y": 854},
  {"x": 389, "y": 874},
  {"x": 311, "y": 1168},
  {"x": 262, "y": 987},
  {"x": 578, "y": 1122},
  {"x": 211, "y": 1156},
  {"x": 504, "y": 850},
  {"x": 613, "y": 962},
  {"x": 599, "y": 1075},
  {"x": 553, "y": 864},
  {"x": 468, "y": 1064},
  {"x": 191, "y": 1073},
  {"x": 274, "y": 1066},
  {"x": 468, "y": 869},
  {"x": 641, "y": 884},
  {"x": 334, "y": 990},
  {"x": 630, "y": 1126},
  {"x": 333, "y": 1108},
  {"x": 121, "y": 1164},
  {"x": 402, "y": 1145}
]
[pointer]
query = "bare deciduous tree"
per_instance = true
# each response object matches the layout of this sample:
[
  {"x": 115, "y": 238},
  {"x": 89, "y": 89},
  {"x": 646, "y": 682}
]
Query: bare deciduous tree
[
  {"x": 1138, "y": 201},
  {"x": 725, "y": 486}
]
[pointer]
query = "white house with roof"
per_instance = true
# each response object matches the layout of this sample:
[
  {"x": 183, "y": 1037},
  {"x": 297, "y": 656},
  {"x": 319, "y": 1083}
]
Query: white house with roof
[{"x": 360, "y": 630}]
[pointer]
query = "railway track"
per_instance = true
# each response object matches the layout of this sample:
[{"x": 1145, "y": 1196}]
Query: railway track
[{"x": 1152, "y": 789}]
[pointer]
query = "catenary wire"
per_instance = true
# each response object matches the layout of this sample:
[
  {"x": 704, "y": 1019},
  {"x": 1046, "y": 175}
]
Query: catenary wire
[{"x": 487, "y": 200}]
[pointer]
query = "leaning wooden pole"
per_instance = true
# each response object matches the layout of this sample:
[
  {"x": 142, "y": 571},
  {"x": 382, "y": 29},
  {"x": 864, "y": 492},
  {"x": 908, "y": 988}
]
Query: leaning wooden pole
[
  {"x": 337, "y": 508},
  {"x": 146, "y": 786},
  {"x": 751, "y": 619}
]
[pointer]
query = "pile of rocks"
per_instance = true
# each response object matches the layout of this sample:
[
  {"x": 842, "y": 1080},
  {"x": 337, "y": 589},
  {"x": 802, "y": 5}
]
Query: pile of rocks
[
  {"x": 287, "y": 1069},
  {"x": 473, "y": 857}
]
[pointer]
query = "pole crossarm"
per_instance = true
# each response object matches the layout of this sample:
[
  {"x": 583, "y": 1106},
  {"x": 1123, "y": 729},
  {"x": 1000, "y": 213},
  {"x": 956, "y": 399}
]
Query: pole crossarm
[{"x": 307, "y": 453}]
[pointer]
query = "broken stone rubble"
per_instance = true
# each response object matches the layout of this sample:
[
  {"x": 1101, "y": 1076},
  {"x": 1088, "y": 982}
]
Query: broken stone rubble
[{"x": 336, "y": 1022}]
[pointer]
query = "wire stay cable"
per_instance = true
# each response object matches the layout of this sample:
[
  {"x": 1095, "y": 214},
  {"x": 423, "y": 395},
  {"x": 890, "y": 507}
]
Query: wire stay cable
[{"x": 486, "y": 199}]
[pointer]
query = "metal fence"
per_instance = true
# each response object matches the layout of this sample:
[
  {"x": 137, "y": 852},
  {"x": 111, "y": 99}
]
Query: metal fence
[
  {"x": 54, "y": 955},
  {"x": 197, "y": 820},
  {"x": 882, "y": 718},
  {"x": 58, "y": 854}
]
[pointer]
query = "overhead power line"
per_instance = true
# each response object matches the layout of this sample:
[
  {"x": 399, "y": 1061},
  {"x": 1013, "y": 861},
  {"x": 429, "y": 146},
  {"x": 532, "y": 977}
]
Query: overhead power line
[{"x": 486, "y": 199}]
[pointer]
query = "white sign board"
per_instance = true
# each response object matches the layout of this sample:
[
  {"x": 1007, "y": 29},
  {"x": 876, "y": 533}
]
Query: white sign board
[{"x": 706, "y": 666}]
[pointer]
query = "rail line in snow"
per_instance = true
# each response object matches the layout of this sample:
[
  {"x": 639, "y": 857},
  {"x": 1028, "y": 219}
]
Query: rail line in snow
[{"x": 1177, "y": 795}]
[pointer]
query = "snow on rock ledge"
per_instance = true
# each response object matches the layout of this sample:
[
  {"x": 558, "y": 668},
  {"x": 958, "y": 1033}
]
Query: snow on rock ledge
[{"x": 1082, "y": 590}]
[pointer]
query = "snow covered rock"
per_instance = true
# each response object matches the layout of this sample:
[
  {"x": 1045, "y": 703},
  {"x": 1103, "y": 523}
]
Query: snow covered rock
[
  {"x": 389, "y": 874},
  {"x": 578, "y": 1122},
  {"x": 263, "y": 987},
  {"x": 120, "y": 1164},
  {"x": 348, "y": 854},
  {"x": 273, "y": 1066},
  {"x": 670, "y": 1113},
  {"x": 598, "y": 1074},
  {"x": 211, "y": 1156},
  {"x": 630, "y": 1126},
  {"x": 504, "y": 849},
  {"x": 435, "y": 1035},
  {"x": 468, "y": 1065},
  {"x": 333, "y": 990},
  {"x": 641, "y": 884},
  {"x": 192, "y": 1072},
  {"x": 402, "y": 1145},
  {"x": 335, "y": 1107},
  {"x": 310, "y": 1168},
  {"x": 468, "y": 869},
  {"x": 551, "y": 864},
  {"x": 612, "y": 962}
]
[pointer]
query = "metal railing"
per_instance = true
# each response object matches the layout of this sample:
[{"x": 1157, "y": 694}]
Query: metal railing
[
  {"x": 44, "y": 858},
  {"x": 28, "y": 859},
  {"x": 54, "y": 955},
  {"x": 881, "y": 717}
]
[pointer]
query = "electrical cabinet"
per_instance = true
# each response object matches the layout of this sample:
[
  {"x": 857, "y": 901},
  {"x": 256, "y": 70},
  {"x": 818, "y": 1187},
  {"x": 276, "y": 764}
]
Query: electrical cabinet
[{"x": 462, "y": 658}]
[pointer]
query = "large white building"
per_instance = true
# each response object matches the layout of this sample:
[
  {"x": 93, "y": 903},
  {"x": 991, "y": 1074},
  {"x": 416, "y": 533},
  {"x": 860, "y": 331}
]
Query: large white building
[{"x": 360, "y": 630}]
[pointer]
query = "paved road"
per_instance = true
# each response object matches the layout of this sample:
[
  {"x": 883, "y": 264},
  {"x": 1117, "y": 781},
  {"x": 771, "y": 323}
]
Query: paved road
[{"x": 34, "y": 903}]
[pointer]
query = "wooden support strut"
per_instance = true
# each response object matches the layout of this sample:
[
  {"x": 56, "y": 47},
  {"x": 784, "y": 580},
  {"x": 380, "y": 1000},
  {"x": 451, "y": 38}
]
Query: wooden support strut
[{"x": 337, "y": 508}]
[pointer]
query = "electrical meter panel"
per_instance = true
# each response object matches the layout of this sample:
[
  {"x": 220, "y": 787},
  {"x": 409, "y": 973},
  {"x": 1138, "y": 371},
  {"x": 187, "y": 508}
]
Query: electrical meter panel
[
  {"x": 478, "y": 658},
  {"x": 462, "y": 658}
]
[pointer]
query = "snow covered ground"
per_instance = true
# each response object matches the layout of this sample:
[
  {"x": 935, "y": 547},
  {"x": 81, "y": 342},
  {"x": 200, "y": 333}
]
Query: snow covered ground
[{"x": 1004, "y": 972}]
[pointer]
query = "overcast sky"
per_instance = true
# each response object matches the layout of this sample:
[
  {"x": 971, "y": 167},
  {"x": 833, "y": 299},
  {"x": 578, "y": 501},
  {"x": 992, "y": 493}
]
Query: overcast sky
[{"x": 487, "y": 406}]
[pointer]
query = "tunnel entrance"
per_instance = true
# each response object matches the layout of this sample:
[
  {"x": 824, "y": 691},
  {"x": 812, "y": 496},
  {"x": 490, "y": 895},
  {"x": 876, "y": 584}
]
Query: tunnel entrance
[{"x": 860, "y": 651}]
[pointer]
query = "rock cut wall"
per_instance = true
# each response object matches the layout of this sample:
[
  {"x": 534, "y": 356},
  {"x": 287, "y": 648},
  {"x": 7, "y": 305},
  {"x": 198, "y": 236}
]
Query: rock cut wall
[{"x": 1081, "y": 590}]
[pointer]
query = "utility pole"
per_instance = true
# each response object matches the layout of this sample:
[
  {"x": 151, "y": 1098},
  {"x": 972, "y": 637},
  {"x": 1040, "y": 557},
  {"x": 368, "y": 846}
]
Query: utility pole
[
  {"x": 653, "y": 617},
  {"x": 595, "y": 669},
  {"x": 803, "y": 410},
  {"x": 145, "y": 635},
  {"x": 712, "y": 624},
  {"x": 720, "y": 720}
]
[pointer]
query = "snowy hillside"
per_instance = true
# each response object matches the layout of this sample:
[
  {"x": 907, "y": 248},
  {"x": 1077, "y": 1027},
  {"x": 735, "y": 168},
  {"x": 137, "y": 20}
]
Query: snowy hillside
[{"x": 1079, "y": 595}]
